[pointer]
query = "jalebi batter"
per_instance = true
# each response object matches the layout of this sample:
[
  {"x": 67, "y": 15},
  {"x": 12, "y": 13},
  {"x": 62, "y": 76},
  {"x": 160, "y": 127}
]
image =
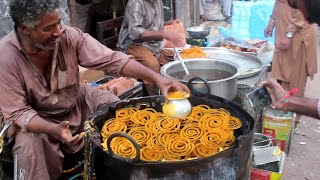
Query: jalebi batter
[{"x": 203, "y": 133}]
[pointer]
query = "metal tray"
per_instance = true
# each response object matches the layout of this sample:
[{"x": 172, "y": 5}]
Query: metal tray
[
  {"x": 260, "y": 50},
  {"x": 243, "y": 61}
]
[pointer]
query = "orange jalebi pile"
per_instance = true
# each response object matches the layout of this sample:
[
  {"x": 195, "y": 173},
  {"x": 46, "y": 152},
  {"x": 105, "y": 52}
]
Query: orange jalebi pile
[
  {"x": 194, "y": 52},
  {"x": 203, "y": 133}
]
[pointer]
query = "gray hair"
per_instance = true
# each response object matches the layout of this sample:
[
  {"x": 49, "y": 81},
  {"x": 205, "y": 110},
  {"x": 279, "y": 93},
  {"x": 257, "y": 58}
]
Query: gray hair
[{"x": 29, "y": 12}]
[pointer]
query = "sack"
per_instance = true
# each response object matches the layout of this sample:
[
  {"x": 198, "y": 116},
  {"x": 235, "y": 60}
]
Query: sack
[
  {"x": 213, "y": 11},
  {"x": 177, "y": 28}
]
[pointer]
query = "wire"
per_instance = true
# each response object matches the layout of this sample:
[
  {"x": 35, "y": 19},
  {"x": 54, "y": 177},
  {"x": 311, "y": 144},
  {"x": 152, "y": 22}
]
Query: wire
[
  {"x": 74, "y": 168},
  {"x": 75, "y": 176}
]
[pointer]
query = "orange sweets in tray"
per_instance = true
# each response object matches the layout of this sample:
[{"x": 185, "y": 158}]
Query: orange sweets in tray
[{"x": 194, "y": 52}]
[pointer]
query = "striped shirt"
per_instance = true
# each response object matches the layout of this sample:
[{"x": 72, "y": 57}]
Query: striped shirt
[{"x": 141, "y": 15}]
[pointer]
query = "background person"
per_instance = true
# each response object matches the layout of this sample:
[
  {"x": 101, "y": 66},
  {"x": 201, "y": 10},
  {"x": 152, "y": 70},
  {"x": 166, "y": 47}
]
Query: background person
[{"x": 142, "y": 34}]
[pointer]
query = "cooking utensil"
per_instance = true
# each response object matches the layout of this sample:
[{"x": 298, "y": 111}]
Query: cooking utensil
[
  {"x": 235, "y": 161},
  {"x": 242, "y": 60},
  {"x": 255, "y": 68},
  {"x": 198, "y": 32},
  {"x": 181, "y": 61},
  {"x": 209, "y": 69},
  {"x": 177, "y": 107}
]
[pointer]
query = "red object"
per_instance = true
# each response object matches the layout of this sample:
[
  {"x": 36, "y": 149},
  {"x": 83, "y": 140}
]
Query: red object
[
  {"x": 259, "y": 174},
  {"x": 286, "y": 102}
]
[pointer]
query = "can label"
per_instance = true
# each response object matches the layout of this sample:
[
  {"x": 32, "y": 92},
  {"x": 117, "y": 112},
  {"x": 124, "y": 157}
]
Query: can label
[{"x": 279, "y": 129}]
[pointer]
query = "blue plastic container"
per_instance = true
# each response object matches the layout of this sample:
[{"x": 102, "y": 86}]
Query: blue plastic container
[{"x": 249, "y": 19}]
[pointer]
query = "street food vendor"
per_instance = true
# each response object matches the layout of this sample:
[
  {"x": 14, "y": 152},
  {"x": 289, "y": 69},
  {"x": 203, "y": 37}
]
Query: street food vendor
[
  {"x": 40, "y": 87},
  {"x": 281, "y": 100},
  {"x": 142, "y": 33}
]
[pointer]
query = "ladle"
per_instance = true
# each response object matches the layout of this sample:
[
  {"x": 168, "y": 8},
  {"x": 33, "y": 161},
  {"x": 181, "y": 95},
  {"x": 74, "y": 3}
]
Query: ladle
[
  {"x": 256, "y": 68},
  {"x": 180, "y": 59}
]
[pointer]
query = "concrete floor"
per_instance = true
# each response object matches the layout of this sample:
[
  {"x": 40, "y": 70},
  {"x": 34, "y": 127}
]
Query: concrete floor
[{"x": 303, "y": 161}]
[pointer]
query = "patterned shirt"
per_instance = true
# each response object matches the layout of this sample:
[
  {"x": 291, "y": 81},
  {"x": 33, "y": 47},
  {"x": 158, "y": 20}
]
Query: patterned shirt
[{"x": 141, "y": 15}]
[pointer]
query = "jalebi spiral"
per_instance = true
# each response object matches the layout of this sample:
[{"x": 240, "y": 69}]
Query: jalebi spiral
[{"x": 203, "y": 133}]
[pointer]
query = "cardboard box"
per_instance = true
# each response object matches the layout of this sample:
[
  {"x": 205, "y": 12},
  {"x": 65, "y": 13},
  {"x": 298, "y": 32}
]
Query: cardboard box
[
  {"x": 278, "y": 126},
  {"x": 257, "y": 173}
]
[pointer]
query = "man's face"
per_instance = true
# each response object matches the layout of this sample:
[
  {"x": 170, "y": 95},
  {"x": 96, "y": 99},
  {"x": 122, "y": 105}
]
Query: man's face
[{"x": 45, "y": 34}]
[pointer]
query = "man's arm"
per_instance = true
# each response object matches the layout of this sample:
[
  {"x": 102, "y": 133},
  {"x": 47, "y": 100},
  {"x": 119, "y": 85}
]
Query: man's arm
[
  {"x": 57, "y": 131},
  {"x": 269, "y": 29},
  {"x": 305, "y": 106},
  {"x": 160, "y": 35},
  {"x": 94, "y": 55},
  {"x": 301, "y": 105}
]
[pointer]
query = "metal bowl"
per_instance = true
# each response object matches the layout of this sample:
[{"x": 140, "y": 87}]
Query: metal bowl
[{"x": 198, "y": 32}]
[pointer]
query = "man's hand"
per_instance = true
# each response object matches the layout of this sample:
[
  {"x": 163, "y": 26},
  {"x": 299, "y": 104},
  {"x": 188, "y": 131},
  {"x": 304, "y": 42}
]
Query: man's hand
[
  {"x": 168, "y": 85},
  {"x": 277, "y": 93},
  {"x": 174, "y": 38},
  {"x": 284, "y": 43},
  {"x": 172, "y": 22},
  {"x": 64, "y": 134},
  {"x": 268, "y": 31}
]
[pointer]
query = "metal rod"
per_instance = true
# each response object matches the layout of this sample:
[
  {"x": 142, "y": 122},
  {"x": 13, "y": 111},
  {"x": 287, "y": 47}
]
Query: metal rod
[
  {"x": 15, "y": 167},
  {"x": 181, "y": 61}
]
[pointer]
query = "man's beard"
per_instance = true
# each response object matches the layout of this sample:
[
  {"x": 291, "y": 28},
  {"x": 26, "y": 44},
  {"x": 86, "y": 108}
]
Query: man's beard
[{"x": 45, "y": 46}]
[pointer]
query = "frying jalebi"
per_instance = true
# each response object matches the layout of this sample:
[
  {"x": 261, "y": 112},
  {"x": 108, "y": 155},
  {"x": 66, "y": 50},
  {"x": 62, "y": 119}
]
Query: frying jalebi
[
  {"x": 192, "y": 132},
  {"x": 234, "y": 123},
  {"x": 164, "y": 137},
  {"x": 179, "y": 146},
  {"x": 155, "y": 144},
  {"x": 148, "y": 154},
  {"x": 123, "y": 147},
  {"x": 112, "y": 126},
  {"x": 197, "y": 113},
  {"x": 142, "y": 116},
  {"x": 203, "y": 133},
  {"x": 201, "y": 150},
  {"x": 185, "y": 121},
  {"x": 168, "y": 125},
  {"x": 140, "y": 134},
  {"x": 125, "y": 113},
  {"x": 214, "y": 139}
]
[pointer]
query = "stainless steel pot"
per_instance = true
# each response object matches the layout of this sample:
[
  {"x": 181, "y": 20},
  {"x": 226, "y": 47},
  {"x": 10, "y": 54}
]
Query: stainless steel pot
[{"x": 226, "y": 87}]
